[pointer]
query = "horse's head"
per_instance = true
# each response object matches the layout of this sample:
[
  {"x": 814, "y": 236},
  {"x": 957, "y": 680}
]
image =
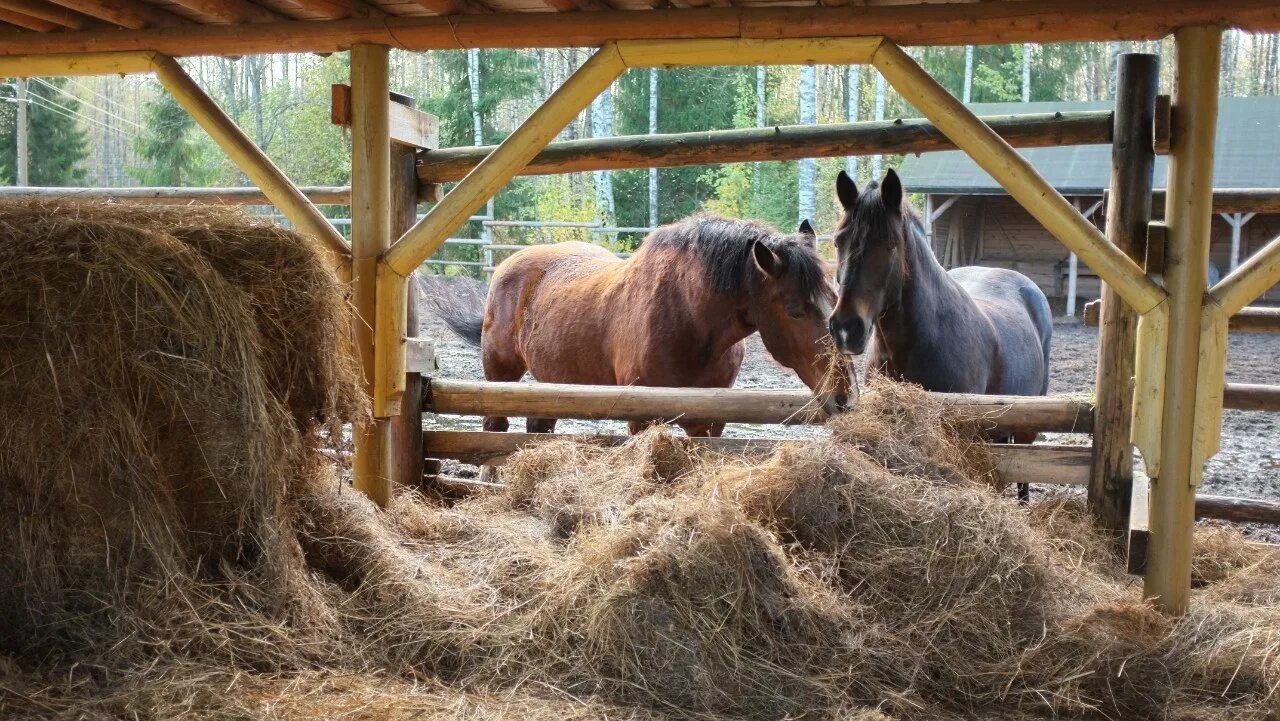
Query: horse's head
[
  {"x": 871, "y": 258},
  {"x": 792, "y": 299}
]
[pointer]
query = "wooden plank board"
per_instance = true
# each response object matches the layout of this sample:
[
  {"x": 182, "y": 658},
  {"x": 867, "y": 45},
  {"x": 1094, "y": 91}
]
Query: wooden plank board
[
  {"x": 409, "y": 127},
  {"x": 1067, "y": 465}
]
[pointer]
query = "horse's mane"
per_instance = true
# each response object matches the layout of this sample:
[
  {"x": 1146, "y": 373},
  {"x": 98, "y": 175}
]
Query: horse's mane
[{"x": 723, "y": 247}]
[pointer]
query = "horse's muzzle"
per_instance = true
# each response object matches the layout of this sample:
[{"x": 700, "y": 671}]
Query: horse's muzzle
[{"x": 849, "y": 334}]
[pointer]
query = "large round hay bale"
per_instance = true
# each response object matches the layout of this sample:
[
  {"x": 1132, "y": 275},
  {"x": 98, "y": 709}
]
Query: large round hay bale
[{"x": 158, "y": 399}]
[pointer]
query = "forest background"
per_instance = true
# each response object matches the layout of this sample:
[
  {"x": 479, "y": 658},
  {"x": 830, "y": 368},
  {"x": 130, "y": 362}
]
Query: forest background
[{"x": 125, "y": 131}]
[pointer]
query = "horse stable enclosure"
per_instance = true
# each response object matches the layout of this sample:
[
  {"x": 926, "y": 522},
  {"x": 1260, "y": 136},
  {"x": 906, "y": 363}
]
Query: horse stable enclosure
[{"x": 1160, "y": 372}]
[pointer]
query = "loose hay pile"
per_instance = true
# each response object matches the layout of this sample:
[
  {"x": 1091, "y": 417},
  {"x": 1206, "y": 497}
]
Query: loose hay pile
[{"x": 177, "y": 546}]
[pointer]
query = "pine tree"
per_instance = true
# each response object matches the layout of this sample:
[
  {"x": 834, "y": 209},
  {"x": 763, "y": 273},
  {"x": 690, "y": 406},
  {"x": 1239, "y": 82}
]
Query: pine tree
[
  {"x": 56, "y": 144},
  {"x": 170, "y": 153}
]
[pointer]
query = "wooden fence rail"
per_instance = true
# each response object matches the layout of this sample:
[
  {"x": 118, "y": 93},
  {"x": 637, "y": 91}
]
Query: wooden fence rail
[
  {"x": 788, "y": 142},
  {"x": 997, "y": 414},
  {"x": 1254, "y": 318},
  {"x": 1067, "y": 465}
]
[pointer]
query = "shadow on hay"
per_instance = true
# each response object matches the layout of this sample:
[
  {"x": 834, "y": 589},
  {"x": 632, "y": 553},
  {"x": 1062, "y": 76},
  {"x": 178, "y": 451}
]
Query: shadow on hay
[{"x": 181, "y": 548}]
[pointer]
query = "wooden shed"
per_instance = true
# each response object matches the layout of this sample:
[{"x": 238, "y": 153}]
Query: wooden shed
[{"x": 976, "y": 223}]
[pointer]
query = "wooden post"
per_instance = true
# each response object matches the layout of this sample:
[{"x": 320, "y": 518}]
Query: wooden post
[
  {"x": 1188, "y": 213},
  {"x": 1128, "y": 214},
  {"x": 370, "y": 236},
  {"x": 406, "y": 427}
]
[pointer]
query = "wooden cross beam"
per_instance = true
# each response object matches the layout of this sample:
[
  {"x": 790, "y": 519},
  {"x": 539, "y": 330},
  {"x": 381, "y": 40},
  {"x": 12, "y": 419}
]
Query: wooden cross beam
[{"x": 409, "y": 127}]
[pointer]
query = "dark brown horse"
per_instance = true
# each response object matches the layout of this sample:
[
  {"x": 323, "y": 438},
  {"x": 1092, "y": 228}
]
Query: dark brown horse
[
  {"x": 968, "y": 330},
  {"x": 674, "y": 314}
]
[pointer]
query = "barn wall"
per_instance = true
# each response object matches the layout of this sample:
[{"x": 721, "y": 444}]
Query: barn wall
[{"x": 1011, "y": 238}]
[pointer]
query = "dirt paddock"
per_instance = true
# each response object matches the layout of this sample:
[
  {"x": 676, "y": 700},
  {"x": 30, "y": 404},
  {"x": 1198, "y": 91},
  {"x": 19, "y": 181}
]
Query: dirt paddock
[{"x": 1247, "y": 466}]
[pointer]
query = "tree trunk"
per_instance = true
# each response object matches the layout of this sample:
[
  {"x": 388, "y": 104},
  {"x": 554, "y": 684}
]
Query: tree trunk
[
  {"x": 760, "y": 106},
  {"x": 808, "y": 116},
  {"x": 852, "y": 96},
  {"x": 602, "y": 127},
  {"x": 877, "y": 160},
  {"x": 653, "y": 130},
  {"x": 967, "y": 88},
  {"x": 1026, "y": 72}
]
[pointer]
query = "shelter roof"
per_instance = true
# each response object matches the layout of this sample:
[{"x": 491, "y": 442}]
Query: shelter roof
[{"x": 1244, "y": 155}]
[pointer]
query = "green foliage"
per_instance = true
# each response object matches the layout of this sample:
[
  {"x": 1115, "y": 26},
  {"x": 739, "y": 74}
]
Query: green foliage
[
  {"x": 170, "y": 152},
  {"x": 56, "y": 144}
]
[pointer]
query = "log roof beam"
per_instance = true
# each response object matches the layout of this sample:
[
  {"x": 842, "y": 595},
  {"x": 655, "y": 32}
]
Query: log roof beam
[
  {"x": 996, "y": 21},
  {"x": 25, "y": 21}
]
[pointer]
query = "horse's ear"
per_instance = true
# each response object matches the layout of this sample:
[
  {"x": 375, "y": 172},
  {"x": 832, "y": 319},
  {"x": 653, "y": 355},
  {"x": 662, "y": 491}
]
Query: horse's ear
[
  {"x": 846, "y": 190},
  {"x": 806, "y": 231},
  {"x": 891, "y": 191},
  {"x": 766, "y": 260}
]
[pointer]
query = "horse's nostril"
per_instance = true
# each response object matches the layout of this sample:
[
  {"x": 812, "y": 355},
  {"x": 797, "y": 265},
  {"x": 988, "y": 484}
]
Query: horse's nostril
[{"x": 842, "y": 401}]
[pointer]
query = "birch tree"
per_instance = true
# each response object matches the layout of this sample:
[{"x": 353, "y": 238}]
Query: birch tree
[{"x": 808, "y": 116}]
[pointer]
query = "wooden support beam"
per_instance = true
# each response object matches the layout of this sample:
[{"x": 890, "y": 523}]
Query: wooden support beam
[
  {"x": 409, "y": 126},
  {"x": 252, "y": 161},
  {"x": 1188, "y": 213},
  {"x": 406, "y": 426},
  {"x": 787, "y": 142},
  {"x": 370, "y": 236},
  {"x": 994, "y": 414},
  {"x": 36, "y": 66},
  {"x": 132, "y": 14},
  {"x": 1251, "y": 397},
  {"x": 596, "y": 74},
  {"x": 1018, "y": 178},
  {"x": 1248, "y": 281},
  {"x": 1030, "y": 21},
  {"x": 1128, "y": 214},
  {"x": 175, "y": 196}
]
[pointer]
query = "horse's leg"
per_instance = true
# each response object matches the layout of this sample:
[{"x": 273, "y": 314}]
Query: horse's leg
[
  {"x": 1026, "y": 438},
  {"x": 636, "y": 427},
  {"x": 540, "y": 425},
  {"x": 499, "y": 366},
  {"x": 702, "y": 430}
]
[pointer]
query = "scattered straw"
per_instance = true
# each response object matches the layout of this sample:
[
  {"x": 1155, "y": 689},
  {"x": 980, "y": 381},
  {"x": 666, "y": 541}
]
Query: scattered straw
[{"x": 180, "y": 547}]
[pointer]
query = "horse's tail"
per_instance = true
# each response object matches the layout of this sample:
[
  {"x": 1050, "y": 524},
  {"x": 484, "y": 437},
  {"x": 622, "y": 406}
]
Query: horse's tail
[
  {"x": 1042, "y": 316},
  {"x": 462, "y": 312}
]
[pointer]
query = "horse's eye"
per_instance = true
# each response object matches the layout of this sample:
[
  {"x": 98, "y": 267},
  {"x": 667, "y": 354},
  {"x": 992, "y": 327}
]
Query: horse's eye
[{"x": 796, "y": 313}]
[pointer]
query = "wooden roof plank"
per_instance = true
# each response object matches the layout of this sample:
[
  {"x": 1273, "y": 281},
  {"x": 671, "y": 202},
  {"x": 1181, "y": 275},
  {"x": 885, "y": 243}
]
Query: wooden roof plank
[
  {"x": 132, "y": 14},
  {"x": 231, "y": 11},
  {"x": 340, "y": 9},
  {"x": 25, "y": 21},
  {"x": 999, "y": 21},
  {"x": 50, "y": 13}
]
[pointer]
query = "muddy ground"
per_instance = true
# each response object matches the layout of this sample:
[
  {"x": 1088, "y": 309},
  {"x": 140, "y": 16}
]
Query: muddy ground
[{"x": 1248, "y": 464}]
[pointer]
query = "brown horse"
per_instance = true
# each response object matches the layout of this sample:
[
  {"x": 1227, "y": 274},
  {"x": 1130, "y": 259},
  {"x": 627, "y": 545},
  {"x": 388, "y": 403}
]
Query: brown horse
[
  {"x": 967, "y": 330},
  {"x": 675, "y": 314}
]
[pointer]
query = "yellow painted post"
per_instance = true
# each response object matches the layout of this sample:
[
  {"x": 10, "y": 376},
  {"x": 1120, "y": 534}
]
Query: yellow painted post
[
  {"x": 370, "y": 237},
  {"x": 250, "y": 159},
  {"x": 1017, "y": 177},
  {"x": 1188, "y": 211},
  {"x": 506, "y": 160}
]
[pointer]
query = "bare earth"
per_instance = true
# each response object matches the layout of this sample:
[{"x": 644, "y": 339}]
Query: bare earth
[{"x": 1247, "y": 466}]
